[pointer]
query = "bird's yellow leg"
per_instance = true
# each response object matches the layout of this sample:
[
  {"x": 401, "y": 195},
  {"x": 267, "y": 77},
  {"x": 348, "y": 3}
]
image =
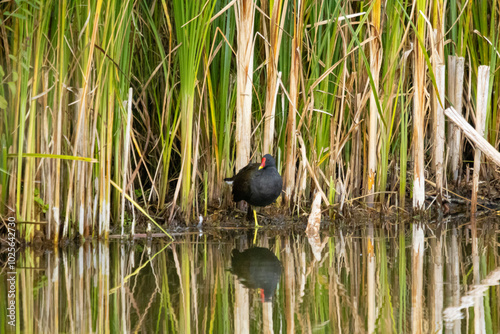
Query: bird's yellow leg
[
  {"x": 256, "y": 228},
  {"x": 256, "y": 222}
]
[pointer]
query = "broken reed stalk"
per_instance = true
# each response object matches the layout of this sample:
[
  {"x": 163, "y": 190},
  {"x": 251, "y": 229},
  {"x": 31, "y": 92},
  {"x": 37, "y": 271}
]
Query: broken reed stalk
[
  {"x": 419, "y": 73},
  {"x": 483, "y": 77},
  {"x": 439, "y": 97},
  {"x": 479, "y": 141},
  {"x": 439, "y": 128},
  {"x": 375, "y": 64},
  {"x": 455, "y": 92},
  {"x": 291, "y": 136},
  {"x": 311, "y": 171},
  {"x": 314, "y": 221}
]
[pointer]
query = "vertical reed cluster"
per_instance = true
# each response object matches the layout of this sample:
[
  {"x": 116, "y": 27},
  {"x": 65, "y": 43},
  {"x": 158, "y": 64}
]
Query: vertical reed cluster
[{"x": 347, "y": 95}]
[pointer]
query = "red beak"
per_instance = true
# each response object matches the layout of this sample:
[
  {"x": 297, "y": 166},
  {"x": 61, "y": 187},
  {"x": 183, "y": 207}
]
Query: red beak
[{"x": 263, "y": 163}]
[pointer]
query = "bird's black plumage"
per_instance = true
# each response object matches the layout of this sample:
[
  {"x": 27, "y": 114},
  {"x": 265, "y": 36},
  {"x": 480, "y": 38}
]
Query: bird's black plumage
[{"x": 257, "y": 184}]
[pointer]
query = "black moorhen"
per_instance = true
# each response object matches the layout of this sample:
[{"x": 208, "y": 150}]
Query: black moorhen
[
  {"x": 257, "y": 184},
  {"x": 257, "y": 268}
]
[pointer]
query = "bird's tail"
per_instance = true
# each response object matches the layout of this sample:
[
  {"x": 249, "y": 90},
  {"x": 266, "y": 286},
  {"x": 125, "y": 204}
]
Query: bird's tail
[{"x": 229, "y": 180}]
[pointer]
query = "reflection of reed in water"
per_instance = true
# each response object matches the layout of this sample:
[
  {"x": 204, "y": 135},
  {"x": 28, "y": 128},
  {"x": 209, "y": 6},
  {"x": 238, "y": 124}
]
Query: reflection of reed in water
[
  {"x": 257, "y": 268},
  {"x": 181, "y": 287}
]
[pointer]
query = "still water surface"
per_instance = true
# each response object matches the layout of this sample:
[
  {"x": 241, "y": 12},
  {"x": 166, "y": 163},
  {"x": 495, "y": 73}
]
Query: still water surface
[{"x": 391, "y": 278}]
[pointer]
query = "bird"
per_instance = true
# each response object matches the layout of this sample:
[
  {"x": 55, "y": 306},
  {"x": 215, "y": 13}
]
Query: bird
[
  {"x": 257, "y": 268},
  {"x": 257, "y": 184}
]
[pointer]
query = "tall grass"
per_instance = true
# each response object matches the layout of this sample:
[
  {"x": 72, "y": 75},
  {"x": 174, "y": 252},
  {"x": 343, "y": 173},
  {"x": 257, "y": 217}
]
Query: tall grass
[
  {"x": 216, "y": 84},
  {"x": 191, "y": 23}
]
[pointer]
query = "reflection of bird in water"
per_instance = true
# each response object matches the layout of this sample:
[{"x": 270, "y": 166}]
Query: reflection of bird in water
[{"x": 257, "y": 268}]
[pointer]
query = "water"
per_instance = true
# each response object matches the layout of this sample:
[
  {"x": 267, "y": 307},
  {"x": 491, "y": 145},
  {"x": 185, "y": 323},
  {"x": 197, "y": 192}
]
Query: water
[{"x": 387, "y": 278}]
